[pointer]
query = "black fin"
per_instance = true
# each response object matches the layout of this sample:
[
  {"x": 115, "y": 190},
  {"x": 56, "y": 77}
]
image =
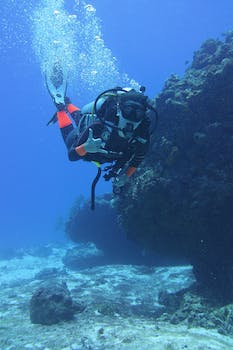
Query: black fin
[{"x": 53, "y": 120}]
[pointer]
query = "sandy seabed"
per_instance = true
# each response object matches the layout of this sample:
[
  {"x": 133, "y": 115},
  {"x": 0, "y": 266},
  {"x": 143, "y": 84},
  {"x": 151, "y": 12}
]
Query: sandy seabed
[{"x": 94, "y": 329}]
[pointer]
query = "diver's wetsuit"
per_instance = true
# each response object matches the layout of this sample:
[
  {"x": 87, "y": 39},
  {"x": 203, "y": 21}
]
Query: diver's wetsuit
[{"x": 119, "y": 149}]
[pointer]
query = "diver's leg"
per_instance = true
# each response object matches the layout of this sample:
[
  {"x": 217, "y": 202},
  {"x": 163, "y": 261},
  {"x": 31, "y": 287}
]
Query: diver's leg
[
  {"x": 74, "y": 111},
  {"x": 65, "y": 125}
]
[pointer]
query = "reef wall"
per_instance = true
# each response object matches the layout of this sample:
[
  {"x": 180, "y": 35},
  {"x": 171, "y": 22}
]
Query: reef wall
[{"x": 180, "y": 202}]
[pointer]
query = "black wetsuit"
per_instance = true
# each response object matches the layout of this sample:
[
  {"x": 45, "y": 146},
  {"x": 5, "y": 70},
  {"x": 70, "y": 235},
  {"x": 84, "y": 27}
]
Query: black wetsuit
[{"x": 119, "y": 148}]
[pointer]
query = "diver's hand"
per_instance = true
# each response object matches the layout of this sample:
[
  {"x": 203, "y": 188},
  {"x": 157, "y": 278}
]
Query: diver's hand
[
  {"x": 93, "y": 145},
  {"x": 121, "y": 180},
  {"x": 118, "y": 183}
]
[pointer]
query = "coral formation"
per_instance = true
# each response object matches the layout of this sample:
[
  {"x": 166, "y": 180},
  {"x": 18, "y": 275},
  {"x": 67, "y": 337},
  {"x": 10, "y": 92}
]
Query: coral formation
[
  {"x": 196, "y": 309},
  {"x": 181, "y": 201}
]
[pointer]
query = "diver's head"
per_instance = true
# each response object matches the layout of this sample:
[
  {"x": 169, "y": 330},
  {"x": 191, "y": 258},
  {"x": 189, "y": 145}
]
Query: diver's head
[{"x": 130, "y": 115}]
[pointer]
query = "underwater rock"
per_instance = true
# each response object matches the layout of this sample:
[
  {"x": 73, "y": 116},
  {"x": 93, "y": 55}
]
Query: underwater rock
[
  {"x": 100, "y": 229},
  {"x": 171, "y": 301},
  {"x": 40, "y": 251},
  {"x": 180, "y": 203},
  {"x": 104, "y": 231},
  {"x": 52, "y": 303},
  {"x": 83, "y": 256},
  {"x": 197, "y": 308},
  {"x": 47, "y": 273}
]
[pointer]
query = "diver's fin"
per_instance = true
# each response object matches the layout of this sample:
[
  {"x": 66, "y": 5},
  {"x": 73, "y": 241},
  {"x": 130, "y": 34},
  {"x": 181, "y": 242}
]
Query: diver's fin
[
  {"x": 53, "y": 120},
  {"x": 56, "y": 82}
]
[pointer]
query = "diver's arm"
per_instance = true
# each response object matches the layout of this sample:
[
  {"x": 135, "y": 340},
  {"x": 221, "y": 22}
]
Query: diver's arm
[
  {"x": 133, "y": 165},
  {"x": 121, "y": 179},
  {"x": 92, "y": 145},
  {"x": 142, "y": 149},
  {"x": 79, "y": 152},
  {"x": 73, "y": 154},
  {"x": 130, "y": 171},
  {"x": 137, "y": 158}
]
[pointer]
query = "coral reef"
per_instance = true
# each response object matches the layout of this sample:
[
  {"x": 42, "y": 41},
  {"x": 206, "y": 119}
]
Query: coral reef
[{"x": 180, "y": 202}]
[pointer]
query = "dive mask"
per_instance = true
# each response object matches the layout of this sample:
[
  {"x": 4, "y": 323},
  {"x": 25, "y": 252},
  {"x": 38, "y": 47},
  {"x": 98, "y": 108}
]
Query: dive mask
[{"x": 128, "y": 120}]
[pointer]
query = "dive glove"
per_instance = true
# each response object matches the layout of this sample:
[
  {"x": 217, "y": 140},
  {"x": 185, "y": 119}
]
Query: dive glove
[
  {"x": 93, "y": 145},
  {"x": 121, "y": 180}
]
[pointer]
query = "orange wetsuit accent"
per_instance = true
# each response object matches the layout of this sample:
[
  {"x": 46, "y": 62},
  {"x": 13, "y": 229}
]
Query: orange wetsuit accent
[
  {"x": 130, "y": 171},
  {"x": 80, "y": 150},
  {"x": 71, "y": 108},
  {"x": 63, "y": 119}
]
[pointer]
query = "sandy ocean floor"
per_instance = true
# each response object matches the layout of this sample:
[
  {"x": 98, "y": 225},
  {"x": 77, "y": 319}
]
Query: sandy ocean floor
[{"x": 121, "y": 308}]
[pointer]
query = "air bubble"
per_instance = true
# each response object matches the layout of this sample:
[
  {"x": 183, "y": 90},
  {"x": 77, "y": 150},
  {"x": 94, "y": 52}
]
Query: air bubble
[
  {"x": 90, "y": 8},
  {"x": 75, "y": 41}
]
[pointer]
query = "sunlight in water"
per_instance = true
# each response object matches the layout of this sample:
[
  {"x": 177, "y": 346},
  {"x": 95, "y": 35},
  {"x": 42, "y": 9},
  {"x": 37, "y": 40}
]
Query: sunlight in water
[
  {"x": 54, "y": 37},
  {"x": 75, "y": 40}
]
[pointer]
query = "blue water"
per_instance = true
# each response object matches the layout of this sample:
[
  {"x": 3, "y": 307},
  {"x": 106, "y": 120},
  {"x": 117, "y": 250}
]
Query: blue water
[{"x": 150, "y": 39}]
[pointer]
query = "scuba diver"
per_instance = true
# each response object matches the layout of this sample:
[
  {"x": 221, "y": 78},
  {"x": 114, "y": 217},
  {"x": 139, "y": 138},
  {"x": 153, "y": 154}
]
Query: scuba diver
[{"x": 115, "y": 129}]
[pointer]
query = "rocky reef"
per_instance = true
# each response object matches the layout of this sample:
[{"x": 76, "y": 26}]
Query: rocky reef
[
  {"x": 180, "y": 202},
  {"x": 197, "y": 309},
  {"x": 101, "y": 228}
]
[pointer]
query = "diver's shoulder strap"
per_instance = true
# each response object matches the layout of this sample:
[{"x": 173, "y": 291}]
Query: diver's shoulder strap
[{"x": 85, "y": 121}]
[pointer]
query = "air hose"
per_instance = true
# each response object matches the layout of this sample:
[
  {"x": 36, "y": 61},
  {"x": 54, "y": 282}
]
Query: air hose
[{"x": 96, "y": 179}]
